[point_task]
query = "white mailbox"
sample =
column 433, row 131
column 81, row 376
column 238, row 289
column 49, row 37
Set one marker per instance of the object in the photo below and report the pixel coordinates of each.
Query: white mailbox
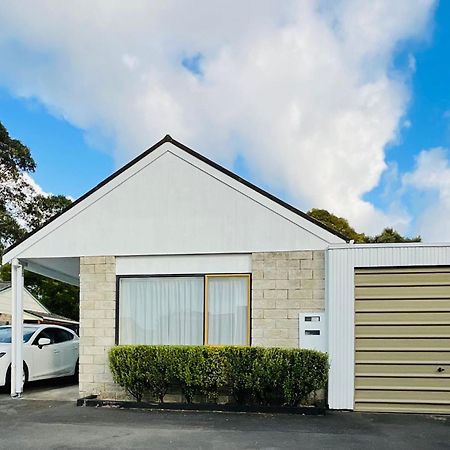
column 312, row 331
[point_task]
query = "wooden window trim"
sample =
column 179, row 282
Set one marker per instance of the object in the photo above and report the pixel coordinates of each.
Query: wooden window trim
column 206, row 310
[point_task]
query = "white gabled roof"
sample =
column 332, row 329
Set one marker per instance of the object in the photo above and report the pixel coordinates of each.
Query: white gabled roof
column 172, row 200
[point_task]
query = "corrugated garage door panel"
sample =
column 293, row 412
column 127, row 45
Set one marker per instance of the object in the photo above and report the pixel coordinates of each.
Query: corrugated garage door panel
column 402, row 339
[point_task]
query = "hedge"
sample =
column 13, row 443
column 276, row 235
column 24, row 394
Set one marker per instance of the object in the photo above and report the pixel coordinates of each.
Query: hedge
column 251, row 375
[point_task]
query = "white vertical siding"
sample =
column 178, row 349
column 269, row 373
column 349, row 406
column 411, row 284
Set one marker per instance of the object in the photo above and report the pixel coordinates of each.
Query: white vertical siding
column 341, row 263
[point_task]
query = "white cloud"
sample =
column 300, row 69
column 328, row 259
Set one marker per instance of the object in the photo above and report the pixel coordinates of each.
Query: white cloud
column 304, row 87
column 34, row 187
column 29, row 188
column 412, row 63
column 431, row 178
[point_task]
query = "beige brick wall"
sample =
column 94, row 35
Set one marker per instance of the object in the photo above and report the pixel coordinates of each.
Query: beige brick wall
column 5, row 319
column 283, row 285
column 97, row 324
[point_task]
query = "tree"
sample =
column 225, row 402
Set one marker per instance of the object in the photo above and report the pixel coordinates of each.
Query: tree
column 389, row 235
column 44, row 208
column 336, row 223
column 22, row 209
column 341, row 225
column 15, row 161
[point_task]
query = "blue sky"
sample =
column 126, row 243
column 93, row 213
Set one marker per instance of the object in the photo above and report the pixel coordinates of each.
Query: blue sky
column 429, row 109
column 66, row 163
column 81, row 121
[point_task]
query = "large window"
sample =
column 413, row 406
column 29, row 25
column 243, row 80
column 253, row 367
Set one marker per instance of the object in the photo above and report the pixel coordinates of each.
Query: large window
column 186, row 310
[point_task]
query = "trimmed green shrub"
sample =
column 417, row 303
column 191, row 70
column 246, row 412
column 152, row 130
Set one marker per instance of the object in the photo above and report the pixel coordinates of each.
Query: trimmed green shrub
column 189, row 365
column 240, row 371
column 213, row 376
column 160, row 371
column 129, row 368
column 270, row 372
column 268, row 376
column 307, row 373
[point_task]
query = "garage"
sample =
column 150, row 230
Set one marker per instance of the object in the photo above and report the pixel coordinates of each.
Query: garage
column 389, row 327
column 402, row 339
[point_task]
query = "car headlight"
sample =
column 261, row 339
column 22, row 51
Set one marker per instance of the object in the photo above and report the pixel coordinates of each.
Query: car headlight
column 2, row 354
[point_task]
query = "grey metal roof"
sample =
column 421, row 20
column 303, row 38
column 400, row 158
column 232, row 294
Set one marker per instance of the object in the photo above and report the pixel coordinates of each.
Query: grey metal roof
column 50, row 316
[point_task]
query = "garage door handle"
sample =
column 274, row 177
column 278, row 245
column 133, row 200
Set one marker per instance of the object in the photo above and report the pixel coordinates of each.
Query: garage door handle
column 57, row 351
column 441, row 369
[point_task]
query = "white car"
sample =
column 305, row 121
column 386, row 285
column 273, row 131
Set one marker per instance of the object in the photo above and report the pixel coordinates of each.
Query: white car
column 49, row 351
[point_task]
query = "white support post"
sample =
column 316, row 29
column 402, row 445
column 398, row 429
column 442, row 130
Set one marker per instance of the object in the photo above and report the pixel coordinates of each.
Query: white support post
column 17, row 329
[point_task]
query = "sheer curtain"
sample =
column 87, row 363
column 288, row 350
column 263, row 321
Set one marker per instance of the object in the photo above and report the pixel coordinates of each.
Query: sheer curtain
column 161, row 310
column 227, row 310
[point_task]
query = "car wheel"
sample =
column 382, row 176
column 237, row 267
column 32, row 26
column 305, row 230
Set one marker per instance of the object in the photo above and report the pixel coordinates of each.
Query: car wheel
column 76, row 372
column 24, row 376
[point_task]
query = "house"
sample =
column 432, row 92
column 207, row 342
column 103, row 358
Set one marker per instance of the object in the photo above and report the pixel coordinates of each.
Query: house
column 33, row 310
column 29, row 302
column 175, row 249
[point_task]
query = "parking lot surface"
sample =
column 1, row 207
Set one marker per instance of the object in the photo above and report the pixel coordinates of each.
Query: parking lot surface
column 43, row 424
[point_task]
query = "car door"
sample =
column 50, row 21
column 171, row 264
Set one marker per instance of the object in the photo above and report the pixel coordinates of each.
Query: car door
column 67, row 347
column 46, row 358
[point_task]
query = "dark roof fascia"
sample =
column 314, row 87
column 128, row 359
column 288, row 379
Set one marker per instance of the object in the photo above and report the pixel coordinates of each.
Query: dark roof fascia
column 50, row 316
column 4, row 286
column 202, row 158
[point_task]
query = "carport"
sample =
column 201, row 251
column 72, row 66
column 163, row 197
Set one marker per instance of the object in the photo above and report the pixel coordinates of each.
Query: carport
column 61, row 269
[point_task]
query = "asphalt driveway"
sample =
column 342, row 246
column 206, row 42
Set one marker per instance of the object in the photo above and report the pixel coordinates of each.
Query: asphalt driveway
column 40, row 424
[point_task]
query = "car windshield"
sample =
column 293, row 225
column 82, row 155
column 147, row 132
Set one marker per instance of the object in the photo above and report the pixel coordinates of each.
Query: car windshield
column 5, row 334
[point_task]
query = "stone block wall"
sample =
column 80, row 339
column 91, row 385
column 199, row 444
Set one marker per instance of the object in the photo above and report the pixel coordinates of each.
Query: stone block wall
column 283, row 285
column 97, row 324
column 5, row 319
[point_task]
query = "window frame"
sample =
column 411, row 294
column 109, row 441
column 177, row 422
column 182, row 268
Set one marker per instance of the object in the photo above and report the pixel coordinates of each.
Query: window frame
column 206, row 298
column 205, row 277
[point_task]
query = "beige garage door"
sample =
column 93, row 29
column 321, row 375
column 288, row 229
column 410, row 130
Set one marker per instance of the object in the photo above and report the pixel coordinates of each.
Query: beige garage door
column 402, row 339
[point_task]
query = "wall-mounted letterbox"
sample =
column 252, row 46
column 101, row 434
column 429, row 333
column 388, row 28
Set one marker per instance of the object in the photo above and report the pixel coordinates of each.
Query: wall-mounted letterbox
column 312, row 331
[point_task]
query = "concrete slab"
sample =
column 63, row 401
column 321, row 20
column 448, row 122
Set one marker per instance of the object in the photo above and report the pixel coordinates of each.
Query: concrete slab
column 58, row 389
column 57, row 393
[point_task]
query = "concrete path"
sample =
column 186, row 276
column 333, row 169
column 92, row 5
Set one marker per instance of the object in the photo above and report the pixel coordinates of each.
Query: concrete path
column 58, row 389
column 34, row 424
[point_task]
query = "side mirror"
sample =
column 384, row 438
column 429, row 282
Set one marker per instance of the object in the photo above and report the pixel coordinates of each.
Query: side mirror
column 43, row 341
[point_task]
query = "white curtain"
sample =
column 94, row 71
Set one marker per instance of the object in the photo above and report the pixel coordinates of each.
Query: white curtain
column 227, row 310
column 161, row 310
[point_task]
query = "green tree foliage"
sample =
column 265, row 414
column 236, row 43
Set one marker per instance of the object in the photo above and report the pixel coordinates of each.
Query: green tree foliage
column 22, row 209
column 15, row 160
column 341, row 225
column 336, row 223
column 45, row 207
column 390, row 235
